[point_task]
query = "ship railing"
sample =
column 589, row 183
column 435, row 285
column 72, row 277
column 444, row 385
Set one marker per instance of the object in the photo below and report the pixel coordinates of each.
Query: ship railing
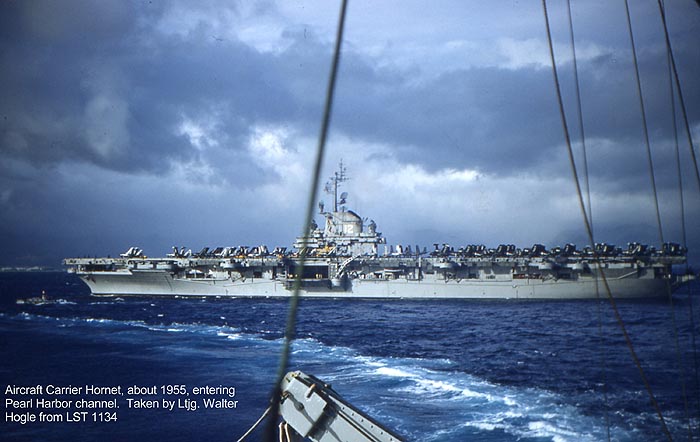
column 343, row 266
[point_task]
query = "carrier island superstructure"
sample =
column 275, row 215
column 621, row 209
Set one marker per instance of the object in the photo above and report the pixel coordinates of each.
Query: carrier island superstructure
column 347, row 257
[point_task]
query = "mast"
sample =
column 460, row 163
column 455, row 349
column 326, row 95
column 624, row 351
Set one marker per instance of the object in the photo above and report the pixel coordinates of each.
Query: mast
column 332, row 186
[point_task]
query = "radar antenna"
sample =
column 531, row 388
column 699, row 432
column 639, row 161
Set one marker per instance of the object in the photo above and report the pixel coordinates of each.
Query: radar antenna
column 332, row 186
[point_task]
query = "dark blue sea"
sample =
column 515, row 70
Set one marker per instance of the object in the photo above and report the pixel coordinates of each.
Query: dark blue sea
column 431, row 371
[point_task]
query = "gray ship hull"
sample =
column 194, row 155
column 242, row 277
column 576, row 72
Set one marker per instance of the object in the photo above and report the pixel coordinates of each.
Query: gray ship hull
column 162, row 283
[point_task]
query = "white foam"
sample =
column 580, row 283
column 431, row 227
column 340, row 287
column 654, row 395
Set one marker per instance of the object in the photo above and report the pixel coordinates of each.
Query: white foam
column 558, row 434
column 437, row 388
column 509, row 401
column 394, row 372
column 486, row 426
column 370, row 362
column 473, row 394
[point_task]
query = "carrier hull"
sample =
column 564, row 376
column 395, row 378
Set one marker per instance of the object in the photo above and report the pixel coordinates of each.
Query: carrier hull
column 161, row 283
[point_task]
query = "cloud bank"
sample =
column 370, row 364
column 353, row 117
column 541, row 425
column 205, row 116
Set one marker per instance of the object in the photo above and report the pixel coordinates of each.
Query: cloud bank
column 195, row 124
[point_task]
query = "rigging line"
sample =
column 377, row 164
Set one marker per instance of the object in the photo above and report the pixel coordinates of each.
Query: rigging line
column 644, row 121
column 579, row 107
column 681, row 366
column 688, row 133
column 683, row 225
column 320, row 150
column 656, row 205
column 682, row 215
column 251, row 429
column 681, row 101
column 613, row 304
column 580, row 113
column 603, row 362
column 656, row 200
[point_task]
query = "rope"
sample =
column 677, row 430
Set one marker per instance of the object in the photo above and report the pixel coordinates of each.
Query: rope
column 251, row 429
column 684, row 113
column 613, row 305
column 644, row 121
column 684, row 238
column 294, row 301
column 284, row 433
column 684, row 232
column 656, row 205
column 580, row 113
column 681, row 101
column 579, row 107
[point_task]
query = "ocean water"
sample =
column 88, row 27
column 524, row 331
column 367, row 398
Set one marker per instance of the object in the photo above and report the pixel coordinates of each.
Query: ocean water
column 430, row 371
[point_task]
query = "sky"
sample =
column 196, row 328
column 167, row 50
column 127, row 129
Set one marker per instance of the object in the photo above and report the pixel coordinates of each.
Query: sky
column 178, row 123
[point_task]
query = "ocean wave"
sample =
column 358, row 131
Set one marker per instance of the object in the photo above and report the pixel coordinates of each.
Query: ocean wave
column 522, row 413
column 42, row 302
column 195, row 327
column 465, row 400
column 430, row 386
column 557, row 433
column 394, row 372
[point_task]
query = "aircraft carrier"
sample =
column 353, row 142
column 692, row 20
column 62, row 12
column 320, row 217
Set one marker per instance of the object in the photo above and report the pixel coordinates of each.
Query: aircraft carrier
column 348, row 258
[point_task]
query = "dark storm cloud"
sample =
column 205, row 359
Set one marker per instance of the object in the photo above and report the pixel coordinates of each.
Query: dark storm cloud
column 104, row 87
column 97, row 83
column 124, row 122
column 46, row 70
column 459, row 114
column 118, row 99
column 498, row 121
column 505, row 121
